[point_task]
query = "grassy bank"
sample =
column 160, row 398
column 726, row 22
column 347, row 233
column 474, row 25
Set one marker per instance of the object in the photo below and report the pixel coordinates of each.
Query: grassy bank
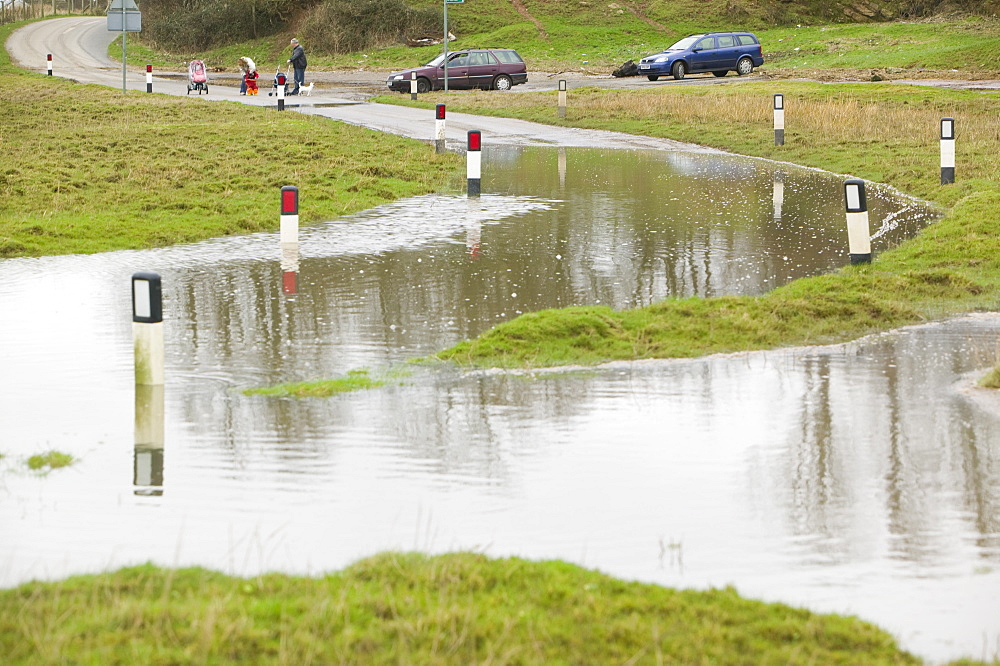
column 88, row 169
column 413, row 609
column 881, row 132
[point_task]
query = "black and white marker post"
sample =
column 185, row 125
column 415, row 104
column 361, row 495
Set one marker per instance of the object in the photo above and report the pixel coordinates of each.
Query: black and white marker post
column 289, row 214
column 562, row 98
column 947, row 151
column 48, row 64
column 147, row 328
column 779, row 119
column 149, row 78
column 858, row 237
column 439, row 142
column 281, row 91
column 474, row 161
column 413, row 85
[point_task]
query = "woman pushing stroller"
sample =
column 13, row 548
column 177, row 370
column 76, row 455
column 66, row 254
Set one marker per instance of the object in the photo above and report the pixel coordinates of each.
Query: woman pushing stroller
column 249, row 70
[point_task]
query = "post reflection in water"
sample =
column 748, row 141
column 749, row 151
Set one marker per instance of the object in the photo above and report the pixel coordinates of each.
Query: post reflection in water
column 290, row 268
column 147, row 477
column 852, row 479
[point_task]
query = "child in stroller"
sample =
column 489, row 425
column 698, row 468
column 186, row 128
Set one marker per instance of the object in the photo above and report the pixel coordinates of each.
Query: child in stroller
column 248, row 69
column 197, row 77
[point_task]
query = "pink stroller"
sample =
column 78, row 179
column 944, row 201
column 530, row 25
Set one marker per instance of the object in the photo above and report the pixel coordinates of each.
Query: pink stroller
column 197, row 77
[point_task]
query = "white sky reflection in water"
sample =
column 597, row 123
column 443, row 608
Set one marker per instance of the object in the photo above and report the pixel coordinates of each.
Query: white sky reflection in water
column 860, row 479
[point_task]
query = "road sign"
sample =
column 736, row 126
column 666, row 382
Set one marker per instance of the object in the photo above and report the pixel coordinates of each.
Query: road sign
column 124, row 16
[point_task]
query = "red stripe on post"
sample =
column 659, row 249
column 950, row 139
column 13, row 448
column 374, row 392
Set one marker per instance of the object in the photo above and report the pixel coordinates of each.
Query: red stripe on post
column 149, row 68
column 49, row 57
column 475, row 140
column 289, row 200
column 440, row 111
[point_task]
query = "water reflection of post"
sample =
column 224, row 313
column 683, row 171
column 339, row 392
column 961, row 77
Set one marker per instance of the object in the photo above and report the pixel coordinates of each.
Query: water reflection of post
column 562, row 168
column 289, row 268
column 473, row 229
column 779, row 193
column 148, row 467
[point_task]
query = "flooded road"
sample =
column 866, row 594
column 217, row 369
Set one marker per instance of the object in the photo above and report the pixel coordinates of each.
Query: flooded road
column 861, row 478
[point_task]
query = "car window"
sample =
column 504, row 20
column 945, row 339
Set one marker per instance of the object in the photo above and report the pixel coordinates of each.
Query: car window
column 480, row 58
column 507, row 56
column 707, row 43
column 459, row 60
column 747, row 40
column 682, row 44
column 727, row 41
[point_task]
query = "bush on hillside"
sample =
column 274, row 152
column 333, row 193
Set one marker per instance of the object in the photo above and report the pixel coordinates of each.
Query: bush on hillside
column 347, row 26
column 194, row 25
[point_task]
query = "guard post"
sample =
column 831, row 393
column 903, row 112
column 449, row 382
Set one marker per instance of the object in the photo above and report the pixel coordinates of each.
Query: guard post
column 281, row 92
column 947, row 151
column 439, row 143
column 858, row 237
column 289, row 214
column 562, row 98
column 473, row 162
column 147, row 328
column 149, row 78
column 779, row 119
column 48, row 63
column 413, row 86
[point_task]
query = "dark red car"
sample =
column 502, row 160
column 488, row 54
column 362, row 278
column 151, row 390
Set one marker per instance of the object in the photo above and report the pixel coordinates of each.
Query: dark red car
column 488, row 69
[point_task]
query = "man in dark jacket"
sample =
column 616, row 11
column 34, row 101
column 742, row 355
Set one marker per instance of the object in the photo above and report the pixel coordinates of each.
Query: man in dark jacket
column 298, row 61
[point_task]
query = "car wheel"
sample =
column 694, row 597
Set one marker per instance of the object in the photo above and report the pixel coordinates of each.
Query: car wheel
column 502, row 82
column 679, row 70
column 744, row 66
column 423, row 86
column 652, row 78
column 722, row 73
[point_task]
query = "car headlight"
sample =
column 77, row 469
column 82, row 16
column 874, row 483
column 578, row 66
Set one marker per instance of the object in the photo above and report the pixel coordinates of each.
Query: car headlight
column 397, row 77
column 661, row 59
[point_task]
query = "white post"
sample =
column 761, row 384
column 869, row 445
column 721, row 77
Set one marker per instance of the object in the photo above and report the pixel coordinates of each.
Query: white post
column 858, row 236
column 48, row 65
column 413, row 85
column 947, row 151
column 562, row 98
column 473, row 162
column 149, row 78
column 281, row 91
column 779, row 119
column 439, row 142
column 289, row 214
column 147, row 328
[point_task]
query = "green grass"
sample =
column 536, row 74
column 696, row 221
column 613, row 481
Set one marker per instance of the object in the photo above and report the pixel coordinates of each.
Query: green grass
column 355, row 380
column 413, row 609
column 88, row 169
column 49, row 461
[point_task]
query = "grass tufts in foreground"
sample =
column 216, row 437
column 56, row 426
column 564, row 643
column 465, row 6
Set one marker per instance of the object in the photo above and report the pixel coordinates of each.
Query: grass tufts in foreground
column 414, row 609
column 355, row 380
column 50, row 460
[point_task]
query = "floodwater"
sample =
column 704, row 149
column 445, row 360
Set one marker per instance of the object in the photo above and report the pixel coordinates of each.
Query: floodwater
column 861, row 478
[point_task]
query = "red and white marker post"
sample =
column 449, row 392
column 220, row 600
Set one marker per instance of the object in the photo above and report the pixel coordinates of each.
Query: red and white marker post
column 49, row 63
column 289, row 214
column 281, row 96
column 473, row 162
column 149, row 78
column 439, row 112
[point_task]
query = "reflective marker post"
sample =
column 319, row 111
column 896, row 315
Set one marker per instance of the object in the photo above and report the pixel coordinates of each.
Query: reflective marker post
column 858, row 237
column 947, row 151
column 562, row 98
column 439, row 142
column 473, row 162
column 289, row 214
column 147, row 328
column 149, row 78
column 48, row 64
column 281, row 92
column 779, row 119
column 413, row 85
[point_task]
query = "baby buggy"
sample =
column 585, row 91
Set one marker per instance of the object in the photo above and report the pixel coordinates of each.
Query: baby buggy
column 274, row 88
column 197, row 77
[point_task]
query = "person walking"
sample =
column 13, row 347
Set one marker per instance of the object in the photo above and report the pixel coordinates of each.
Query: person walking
column 298, row 61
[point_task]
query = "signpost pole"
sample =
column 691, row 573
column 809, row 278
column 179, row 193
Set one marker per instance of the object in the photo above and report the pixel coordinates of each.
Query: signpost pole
column 124, row 33
column 446, row 45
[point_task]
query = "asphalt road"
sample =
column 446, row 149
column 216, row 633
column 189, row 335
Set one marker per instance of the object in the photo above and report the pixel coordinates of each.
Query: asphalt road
column 80, row 44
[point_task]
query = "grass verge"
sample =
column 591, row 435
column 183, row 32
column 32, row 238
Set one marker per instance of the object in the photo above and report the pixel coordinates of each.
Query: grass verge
column 881, row 132
column 413, row 609
column 89, row 169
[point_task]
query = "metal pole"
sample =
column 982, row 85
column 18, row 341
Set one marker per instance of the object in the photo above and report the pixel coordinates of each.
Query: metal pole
column 124, row 32
column 446, row 45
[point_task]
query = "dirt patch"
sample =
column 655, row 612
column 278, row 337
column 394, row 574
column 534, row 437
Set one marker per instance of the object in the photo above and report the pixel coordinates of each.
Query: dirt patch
column 523, row 11
column 641, row 15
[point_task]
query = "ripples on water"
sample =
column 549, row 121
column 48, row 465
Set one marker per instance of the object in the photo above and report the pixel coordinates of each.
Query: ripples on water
column 859, row 479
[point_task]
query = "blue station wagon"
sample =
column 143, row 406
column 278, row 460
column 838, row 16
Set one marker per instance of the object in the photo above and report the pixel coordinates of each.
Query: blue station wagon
column 716, row 52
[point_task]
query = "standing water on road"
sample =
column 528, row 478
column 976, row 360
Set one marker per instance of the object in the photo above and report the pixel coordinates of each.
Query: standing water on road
column 858, row 478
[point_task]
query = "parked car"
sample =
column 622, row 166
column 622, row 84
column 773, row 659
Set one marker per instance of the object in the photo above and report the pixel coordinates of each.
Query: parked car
column 716, row 52
column 489, row 69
